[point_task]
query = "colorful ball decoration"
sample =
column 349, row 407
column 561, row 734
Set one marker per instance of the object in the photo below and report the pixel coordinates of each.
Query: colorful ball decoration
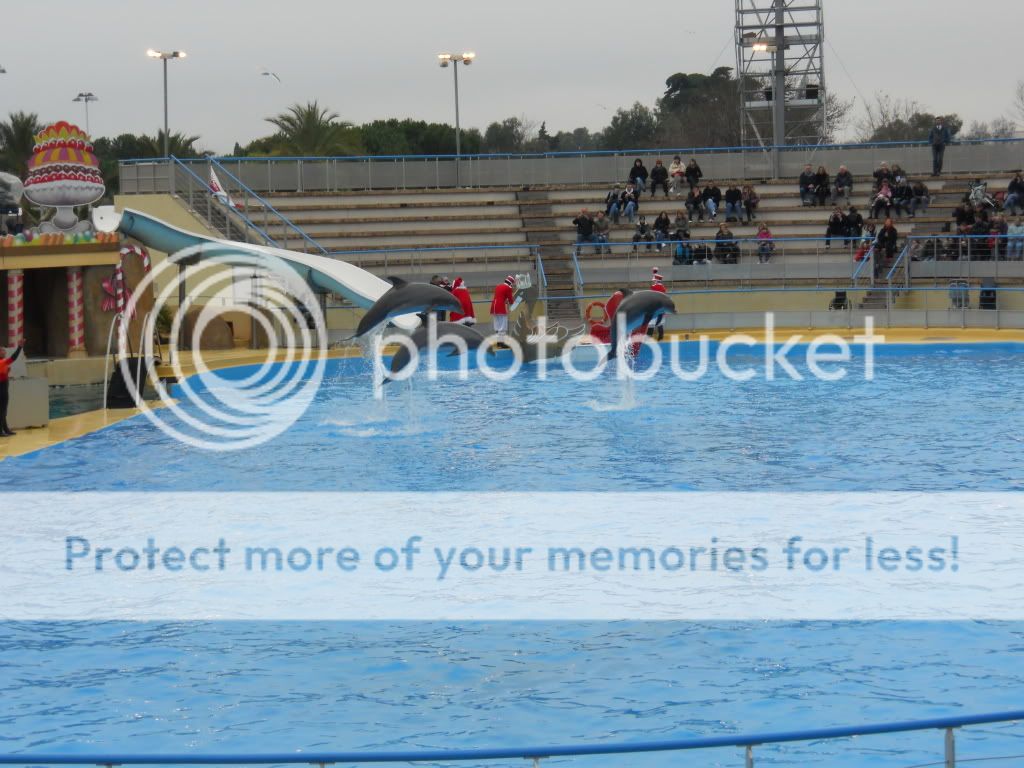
column 63, row 172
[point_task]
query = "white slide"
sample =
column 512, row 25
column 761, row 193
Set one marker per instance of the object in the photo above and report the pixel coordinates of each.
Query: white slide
column 357, row 285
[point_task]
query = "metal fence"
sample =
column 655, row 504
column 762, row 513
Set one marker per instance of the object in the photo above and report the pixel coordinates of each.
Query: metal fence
column 820, row 260
column 515, row 171
column 946, row 726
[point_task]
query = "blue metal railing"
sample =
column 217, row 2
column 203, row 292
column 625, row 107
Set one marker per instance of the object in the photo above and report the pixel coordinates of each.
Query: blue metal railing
column 896, row 264
column 268, row 207
column 268, row 240
column 535, row 753
column 869, row 258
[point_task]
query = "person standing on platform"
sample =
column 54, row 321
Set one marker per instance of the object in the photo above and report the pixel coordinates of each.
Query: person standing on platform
column 938, row 137
column 5, row 390
column 504, row 297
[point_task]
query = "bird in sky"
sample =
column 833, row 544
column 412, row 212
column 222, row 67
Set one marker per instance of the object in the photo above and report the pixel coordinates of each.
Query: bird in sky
column 267, row 73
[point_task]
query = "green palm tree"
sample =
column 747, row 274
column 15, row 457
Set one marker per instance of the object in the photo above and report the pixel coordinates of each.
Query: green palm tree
column 178, row 144
column 310, row 131
column 17, row 139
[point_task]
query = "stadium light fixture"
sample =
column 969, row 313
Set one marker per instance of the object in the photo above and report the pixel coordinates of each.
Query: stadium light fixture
column 164, row 56
column 444, row 59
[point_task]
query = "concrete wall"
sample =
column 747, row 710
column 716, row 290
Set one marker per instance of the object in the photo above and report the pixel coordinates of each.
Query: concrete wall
column 330, row 174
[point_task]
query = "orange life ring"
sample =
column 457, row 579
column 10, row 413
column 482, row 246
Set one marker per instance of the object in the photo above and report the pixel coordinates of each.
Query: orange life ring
column 590, row 308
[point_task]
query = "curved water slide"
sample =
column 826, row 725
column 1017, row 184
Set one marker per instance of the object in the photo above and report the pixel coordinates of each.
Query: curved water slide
column 360, row 287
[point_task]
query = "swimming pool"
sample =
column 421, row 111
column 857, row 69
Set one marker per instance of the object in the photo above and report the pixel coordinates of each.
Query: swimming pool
column 935, row 418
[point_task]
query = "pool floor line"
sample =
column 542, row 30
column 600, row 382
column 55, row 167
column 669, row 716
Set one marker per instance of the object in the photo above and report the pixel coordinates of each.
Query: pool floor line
column 70, row 427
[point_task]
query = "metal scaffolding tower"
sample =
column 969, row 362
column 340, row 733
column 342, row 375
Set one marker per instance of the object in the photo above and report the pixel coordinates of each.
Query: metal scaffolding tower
column 781, row 71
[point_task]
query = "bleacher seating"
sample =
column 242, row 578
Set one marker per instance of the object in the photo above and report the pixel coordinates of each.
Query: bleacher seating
column 382, row 223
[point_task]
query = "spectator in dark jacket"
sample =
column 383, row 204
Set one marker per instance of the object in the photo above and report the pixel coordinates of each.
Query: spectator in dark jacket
column 629, row 205
column 727, row 250
column 903, row 198
column 611, row 201
column 662, row 225
column 854, row 223
column 693, row 174
column 643, row 232
column 807, row 185
column 712, row 198
column 837, row 226
column 964, row 214
column 886, row 242
column 1014, row 195
column 602, row 230
column 844, row 185
column 822, row 185
column 695, row 205
column 938, row 137
column 584, row 228
column 659, row 178
column 638, row 176
column 921, row 198
column 750, row 201
column 733, row 203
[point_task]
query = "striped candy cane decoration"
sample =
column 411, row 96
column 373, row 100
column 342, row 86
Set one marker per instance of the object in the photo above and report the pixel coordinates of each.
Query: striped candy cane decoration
column 76, row 310
column 15, row 307
column 121, row 292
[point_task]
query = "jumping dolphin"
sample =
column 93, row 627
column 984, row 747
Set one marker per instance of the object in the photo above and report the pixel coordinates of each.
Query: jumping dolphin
column 403, row 299
column 640, row 308
column 420, row 338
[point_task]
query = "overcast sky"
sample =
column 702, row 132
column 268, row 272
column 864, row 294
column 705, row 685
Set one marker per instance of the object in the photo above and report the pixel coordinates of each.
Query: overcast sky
column 568, row 62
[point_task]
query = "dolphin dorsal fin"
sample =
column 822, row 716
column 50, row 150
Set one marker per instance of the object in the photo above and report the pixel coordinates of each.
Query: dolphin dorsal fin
column 396, row 282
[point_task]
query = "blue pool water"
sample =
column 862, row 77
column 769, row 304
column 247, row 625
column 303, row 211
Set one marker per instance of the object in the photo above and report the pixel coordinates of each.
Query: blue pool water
column 935, row 418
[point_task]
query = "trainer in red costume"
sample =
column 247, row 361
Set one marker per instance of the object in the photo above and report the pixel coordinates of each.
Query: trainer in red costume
column 467, row 316
column 504, row 297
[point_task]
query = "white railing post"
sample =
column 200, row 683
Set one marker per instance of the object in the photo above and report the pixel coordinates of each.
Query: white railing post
column 749, row 758
column 950, row 749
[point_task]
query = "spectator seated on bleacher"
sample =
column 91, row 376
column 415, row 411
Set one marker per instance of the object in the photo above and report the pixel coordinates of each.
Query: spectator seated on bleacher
column 881, row 175
column 822, row 185
column 898, row 174
column 628, row 205
column 712, row 198
column 584, row 228
column 727, row 250
column 921, row 198
column 638, row 176
column 644, row 233
column 750, row 201
column 838, row 226
column 765, row 244
column 677, row 175
column 843, row 185
column 681, row 236
column 854, row 223
column 979, row 247
column 695, row 205
column 1015, row 245
column 882, row 201
column 964, row 214
column 659, row 178
column 886, row 243
column 903, row 198
column 807, row 185
column 693, row 174
column 662, row 226
column 733, row 203
column 1014, row 195
column 611, row 200
column 602, row 230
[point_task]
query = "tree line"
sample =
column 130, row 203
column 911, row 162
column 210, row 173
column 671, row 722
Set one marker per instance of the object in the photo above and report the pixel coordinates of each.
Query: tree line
column 694, row 110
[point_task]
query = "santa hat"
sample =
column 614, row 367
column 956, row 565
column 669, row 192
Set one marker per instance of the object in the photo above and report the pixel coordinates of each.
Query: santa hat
column 459, row 283
column 656, row 276
column 510, row 281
